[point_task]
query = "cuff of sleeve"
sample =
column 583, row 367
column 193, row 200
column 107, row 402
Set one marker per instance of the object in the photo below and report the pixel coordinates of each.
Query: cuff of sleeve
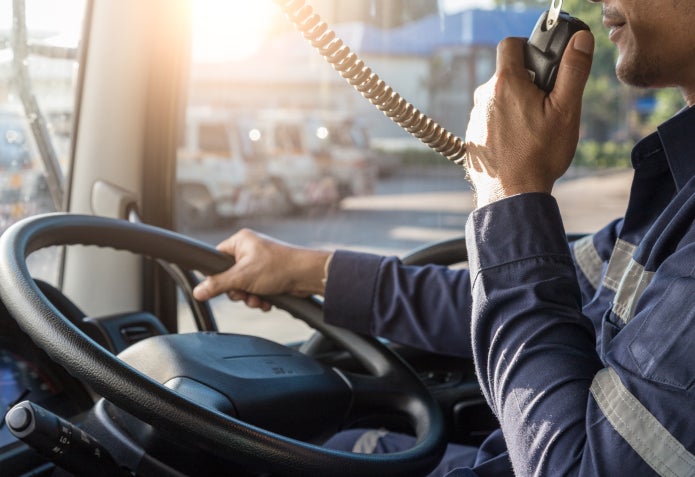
column 515, row 228
column 350, row 286
column 326, row 267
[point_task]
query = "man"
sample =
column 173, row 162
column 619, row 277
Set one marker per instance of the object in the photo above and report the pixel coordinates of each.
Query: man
column 584, row 353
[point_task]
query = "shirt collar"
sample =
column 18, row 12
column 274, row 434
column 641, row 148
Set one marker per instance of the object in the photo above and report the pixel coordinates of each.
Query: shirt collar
column 677, row 137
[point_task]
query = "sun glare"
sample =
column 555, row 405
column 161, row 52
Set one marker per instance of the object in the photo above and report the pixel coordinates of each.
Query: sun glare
column 62, row 21
column 225, row 30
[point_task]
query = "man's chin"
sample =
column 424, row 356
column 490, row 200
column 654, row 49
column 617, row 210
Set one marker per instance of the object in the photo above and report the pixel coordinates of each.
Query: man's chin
column 632, row 74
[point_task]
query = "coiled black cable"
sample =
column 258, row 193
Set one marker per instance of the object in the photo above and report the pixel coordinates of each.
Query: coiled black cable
column 368, row 83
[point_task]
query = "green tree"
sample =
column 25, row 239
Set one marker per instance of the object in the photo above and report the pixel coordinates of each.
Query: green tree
column 668, row 102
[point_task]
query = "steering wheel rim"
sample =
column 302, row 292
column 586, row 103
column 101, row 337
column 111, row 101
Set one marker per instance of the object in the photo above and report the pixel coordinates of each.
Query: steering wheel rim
column 159, row 406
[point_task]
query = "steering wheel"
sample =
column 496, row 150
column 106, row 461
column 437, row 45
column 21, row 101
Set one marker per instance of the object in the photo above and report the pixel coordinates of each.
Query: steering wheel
column 392, row 384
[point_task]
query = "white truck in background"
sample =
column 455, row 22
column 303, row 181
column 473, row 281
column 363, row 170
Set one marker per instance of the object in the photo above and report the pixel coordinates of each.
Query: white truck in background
column 230, row 166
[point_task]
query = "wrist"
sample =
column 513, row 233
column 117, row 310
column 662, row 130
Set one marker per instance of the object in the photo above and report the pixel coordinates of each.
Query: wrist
column 312, row 266
column 493, row 191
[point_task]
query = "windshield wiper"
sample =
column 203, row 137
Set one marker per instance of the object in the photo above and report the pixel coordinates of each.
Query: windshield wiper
column 21, row 49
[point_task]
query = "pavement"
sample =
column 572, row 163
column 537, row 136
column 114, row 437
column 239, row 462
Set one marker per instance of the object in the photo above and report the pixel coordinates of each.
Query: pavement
column 590, row 202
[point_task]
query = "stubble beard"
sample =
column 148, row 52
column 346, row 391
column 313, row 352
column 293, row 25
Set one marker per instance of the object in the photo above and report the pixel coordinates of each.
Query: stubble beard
column 638, row 70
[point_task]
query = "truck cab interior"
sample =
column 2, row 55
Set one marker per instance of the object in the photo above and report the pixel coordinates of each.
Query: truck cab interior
column 103, row 236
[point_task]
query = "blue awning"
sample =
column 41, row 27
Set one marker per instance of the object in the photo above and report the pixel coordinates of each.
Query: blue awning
column 467, row 28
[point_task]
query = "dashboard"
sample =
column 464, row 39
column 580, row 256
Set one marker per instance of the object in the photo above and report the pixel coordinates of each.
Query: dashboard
column 26, row 372
column 21, row 378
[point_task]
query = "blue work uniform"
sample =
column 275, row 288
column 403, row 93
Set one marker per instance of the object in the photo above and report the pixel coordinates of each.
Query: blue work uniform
column 585, row 352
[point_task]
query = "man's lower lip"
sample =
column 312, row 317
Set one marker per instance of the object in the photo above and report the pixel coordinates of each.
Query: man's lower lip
column 615, row 33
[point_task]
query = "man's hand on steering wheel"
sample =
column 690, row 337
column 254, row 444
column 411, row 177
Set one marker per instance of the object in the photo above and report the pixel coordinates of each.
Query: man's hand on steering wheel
column 293, row 270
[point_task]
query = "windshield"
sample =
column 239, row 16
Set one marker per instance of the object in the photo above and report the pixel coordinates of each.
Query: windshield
column 276, row 140
column 319, row 165
column 39, row 51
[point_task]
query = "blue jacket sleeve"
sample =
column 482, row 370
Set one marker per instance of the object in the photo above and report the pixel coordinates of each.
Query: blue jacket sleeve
column 534, row 350
column 427, row 307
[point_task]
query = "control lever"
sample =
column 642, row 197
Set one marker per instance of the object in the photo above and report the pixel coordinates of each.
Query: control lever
column 68, row 446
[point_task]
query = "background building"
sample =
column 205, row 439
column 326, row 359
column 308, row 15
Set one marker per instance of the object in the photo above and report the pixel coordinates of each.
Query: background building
column 391, row 13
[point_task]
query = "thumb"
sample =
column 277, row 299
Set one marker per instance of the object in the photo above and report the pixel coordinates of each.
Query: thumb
column 214, row 285
column 203, row 291
column 574, row 70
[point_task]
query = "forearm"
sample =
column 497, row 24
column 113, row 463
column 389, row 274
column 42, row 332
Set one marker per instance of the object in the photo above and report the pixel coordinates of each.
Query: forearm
column 534, row 350
column 425, row 307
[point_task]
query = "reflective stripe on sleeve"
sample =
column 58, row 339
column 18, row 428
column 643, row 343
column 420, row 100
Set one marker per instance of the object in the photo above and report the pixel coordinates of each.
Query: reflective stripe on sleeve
column 627, row 278
column 631, row 287
column 367, row 442
column 620, row 260
column 640, row 429
column 588, row 260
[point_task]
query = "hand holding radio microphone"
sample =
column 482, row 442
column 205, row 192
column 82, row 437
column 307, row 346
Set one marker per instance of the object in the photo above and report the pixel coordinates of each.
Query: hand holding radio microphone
column 521, row 139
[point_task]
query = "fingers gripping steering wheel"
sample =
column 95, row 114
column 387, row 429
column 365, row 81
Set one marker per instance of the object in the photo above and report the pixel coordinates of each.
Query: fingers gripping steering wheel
column 393, row 385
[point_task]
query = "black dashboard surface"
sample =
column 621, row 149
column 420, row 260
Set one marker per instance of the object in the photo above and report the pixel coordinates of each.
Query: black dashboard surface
column 26, row 372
